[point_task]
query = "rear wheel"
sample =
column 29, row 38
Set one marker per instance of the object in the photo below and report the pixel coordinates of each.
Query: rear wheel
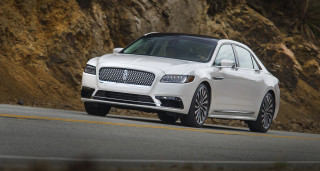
column 97, row 109
column 199, row 108
column 168, row 117
column 265, row 117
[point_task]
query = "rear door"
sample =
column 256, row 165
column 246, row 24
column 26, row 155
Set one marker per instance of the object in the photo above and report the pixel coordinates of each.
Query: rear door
column 251, row 84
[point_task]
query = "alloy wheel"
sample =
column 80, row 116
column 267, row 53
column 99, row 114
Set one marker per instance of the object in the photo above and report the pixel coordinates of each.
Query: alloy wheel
column 267, row 110
column 201, row 105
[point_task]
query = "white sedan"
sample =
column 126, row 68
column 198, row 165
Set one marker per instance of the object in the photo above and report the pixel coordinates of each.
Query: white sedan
column 183, row 76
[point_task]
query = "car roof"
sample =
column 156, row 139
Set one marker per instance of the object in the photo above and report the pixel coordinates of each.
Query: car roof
column 155, row 34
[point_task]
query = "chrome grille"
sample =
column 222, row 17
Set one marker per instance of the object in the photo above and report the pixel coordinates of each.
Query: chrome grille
column 127, row 76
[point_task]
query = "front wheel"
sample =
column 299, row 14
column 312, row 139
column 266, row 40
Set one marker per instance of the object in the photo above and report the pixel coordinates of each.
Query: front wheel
column 265, row 117
column 199, row 108
column 168, row 117
column 97, row 109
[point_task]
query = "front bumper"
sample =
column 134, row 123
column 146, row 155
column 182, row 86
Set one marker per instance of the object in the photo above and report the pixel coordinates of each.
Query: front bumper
column 170, row 97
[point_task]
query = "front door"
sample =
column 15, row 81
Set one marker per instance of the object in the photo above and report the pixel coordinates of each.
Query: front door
column 234, row 88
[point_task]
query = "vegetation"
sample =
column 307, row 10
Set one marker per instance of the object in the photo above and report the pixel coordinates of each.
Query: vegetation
column 292, row 16
column 305, row 18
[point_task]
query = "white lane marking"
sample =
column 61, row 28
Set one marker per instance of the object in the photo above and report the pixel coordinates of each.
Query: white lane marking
column 152, row 161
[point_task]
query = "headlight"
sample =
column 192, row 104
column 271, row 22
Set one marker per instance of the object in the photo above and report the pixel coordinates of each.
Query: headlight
column 90, row 69
column 177, row 79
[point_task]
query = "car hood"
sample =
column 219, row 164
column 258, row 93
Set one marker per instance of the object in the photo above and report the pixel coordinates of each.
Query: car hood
column 166, row 65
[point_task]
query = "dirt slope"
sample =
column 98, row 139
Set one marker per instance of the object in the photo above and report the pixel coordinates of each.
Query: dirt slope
column 44, row 45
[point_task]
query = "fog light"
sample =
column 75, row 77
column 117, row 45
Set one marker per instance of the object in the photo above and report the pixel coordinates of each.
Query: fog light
column 168, row 101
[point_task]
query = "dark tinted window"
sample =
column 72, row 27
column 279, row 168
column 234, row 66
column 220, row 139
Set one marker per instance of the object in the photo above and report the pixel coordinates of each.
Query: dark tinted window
column 225, row 52
column 177, row 47
column 244, row 58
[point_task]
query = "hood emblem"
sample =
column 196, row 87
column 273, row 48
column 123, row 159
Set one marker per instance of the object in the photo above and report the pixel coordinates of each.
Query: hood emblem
column 125, row 75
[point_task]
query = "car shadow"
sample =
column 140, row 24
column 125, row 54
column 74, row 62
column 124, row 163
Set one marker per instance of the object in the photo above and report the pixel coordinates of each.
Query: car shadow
column 156, row 121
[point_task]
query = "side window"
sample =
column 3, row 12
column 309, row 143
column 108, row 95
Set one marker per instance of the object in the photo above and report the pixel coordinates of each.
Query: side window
column 225, row 52
column 255, row 64
column 244, row 56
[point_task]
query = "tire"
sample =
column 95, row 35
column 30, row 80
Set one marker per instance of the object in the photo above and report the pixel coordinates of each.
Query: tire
column 97, row 109
column 265, row 117
column 199, row 108
column 168, row 117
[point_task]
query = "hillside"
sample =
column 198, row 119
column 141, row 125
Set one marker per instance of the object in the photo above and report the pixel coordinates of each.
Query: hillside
column 44, row 45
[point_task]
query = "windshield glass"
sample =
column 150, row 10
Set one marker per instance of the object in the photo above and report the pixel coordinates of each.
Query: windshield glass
column 177, row 47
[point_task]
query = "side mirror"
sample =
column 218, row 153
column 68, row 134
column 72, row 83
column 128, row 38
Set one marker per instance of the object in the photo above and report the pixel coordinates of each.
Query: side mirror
column 117, row 50
column 227, row 63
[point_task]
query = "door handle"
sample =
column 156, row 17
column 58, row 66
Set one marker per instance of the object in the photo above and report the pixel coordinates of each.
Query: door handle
column 217, row 78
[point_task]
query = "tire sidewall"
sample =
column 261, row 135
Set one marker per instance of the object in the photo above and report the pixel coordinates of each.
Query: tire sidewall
column 192, row 106
column 257, row 126
column 166, row 118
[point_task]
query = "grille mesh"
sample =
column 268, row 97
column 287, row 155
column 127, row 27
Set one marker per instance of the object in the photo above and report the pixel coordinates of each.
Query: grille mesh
column 127, row 76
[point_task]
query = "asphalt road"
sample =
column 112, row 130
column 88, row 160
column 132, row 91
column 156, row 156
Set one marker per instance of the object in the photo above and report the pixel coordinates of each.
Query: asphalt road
column 30, row 134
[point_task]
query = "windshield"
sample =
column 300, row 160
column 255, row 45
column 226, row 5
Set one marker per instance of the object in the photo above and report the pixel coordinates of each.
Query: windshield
column 176, row 46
